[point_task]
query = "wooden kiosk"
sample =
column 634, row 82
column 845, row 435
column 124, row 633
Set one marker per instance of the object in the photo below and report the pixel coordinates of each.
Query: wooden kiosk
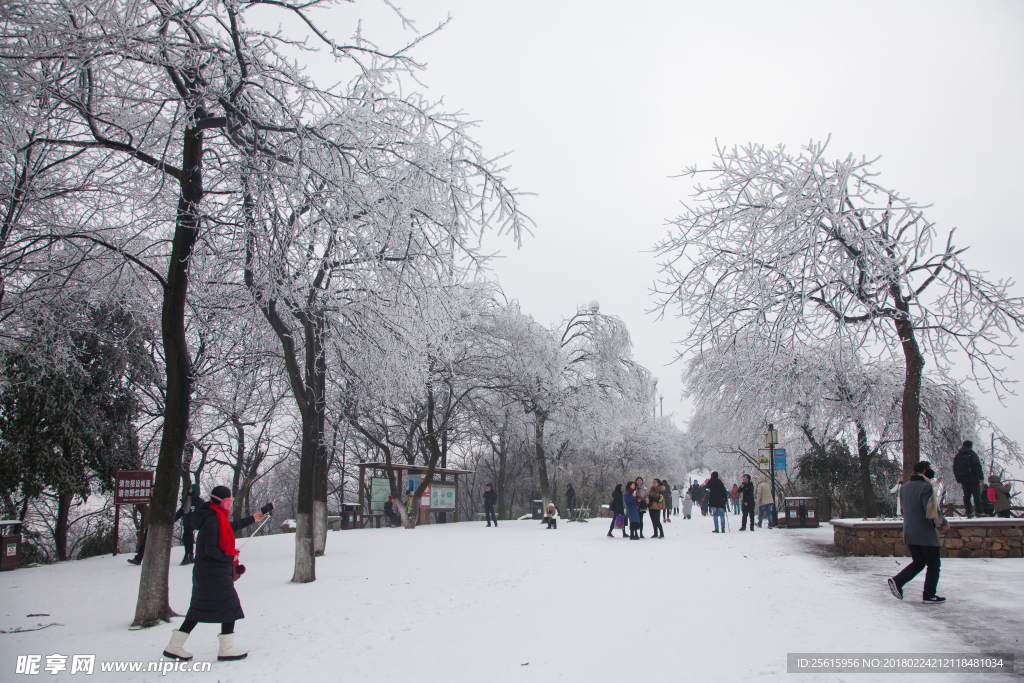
column 439, row 498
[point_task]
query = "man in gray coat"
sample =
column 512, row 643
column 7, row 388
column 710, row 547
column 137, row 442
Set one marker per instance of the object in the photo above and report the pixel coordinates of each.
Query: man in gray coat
column 920, row 514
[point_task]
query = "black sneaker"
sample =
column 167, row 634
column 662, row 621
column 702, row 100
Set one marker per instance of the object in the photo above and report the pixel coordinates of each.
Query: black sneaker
column 934, row 599
column 715, row 531
column 896, row 590
column 136, row 561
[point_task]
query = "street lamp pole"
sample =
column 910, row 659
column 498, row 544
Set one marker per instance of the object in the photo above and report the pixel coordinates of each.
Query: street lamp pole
column 771, row 439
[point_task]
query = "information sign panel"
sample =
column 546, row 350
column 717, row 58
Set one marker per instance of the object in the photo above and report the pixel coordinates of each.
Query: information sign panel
column 442, row 497
column 133, row 487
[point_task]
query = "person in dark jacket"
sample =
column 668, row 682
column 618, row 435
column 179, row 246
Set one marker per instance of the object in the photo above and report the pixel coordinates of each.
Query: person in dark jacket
column 632, row 511
column 922, row 519
column 490, row 499
column 746, row 494
column 570, row 501
column 656, row 503
column 140, row 535
column 184, row 513
column 667, row 492
column 968, row 473
column 618, row 507
column 718, row 498
column 641, row 501
column 214, row 599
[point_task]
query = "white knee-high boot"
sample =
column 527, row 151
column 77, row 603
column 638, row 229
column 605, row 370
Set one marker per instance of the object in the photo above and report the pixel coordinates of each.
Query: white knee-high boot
column 228, row 651
column 174, row 649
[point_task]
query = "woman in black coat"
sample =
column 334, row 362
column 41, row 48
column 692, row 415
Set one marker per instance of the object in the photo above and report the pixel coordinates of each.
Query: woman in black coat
column 214, row 599
column 618, row 508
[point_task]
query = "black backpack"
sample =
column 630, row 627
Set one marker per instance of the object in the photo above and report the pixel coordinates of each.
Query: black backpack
column 962, row 466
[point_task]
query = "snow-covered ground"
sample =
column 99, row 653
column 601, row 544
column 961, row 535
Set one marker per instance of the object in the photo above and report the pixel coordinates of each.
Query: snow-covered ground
column 462, row 602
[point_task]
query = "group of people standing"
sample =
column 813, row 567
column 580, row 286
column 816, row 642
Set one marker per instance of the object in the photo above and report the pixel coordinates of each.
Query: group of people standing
column 632, row 502
column 745, row 497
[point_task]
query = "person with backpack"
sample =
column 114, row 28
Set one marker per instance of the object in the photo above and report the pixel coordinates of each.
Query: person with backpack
column 922, row 520
column 968, row 473
column 655, row 504
column 717, row 500
column 999, row 496
column 490, row 499
column 618, row 509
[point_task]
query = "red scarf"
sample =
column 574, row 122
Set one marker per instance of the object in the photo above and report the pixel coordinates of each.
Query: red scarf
column 227, row 534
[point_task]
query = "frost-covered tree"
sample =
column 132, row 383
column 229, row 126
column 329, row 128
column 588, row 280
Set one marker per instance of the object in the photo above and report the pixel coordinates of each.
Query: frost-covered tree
column 796, row 248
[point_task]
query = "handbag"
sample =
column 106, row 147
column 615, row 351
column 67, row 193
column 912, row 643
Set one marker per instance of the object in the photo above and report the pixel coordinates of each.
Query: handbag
column 237, row 570
column 620, row 521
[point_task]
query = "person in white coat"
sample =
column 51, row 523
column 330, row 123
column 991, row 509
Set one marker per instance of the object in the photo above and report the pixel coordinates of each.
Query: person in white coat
column 687, row 505
column 764, row 501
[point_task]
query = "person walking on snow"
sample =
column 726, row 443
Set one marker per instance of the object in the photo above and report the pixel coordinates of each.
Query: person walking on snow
column 922, row 521
column 746, row 491
column 656, row 504
column 667, row 492
column 717, row 500
column 617, row 508
column 677, row 499
column 490, row 498
column 214, row 599
column 687, row 506
column 632, row 510
column 763, row 501
column 968, row 473
column 1001, row 494
column 184, row 513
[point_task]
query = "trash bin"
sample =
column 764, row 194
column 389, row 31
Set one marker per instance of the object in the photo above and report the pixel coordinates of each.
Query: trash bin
column 538, row 509
column 10, row 544
column 801, row 512
column 351, row 517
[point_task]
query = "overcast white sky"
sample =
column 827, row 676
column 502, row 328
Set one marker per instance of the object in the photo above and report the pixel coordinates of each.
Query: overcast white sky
column 600, row 103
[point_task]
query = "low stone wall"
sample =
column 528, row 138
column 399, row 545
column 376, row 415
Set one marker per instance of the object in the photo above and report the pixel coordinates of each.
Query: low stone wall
column 965, row 538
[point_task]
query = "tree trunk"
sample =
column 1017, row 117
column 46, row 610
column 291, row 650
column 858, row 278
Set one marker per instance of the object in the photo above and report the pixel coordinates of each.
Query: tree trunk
column 870, row 510
column 501, row 482
column 914, row 362
column 542, row 469
column 153, row 604
column 60, row 529
column 320, row 504
column 305, row 555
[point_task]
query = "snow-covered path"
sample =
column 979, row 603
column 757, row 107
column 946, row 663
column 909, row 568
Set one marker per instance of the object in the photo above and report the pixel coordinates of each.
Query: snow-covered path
column 462, row 602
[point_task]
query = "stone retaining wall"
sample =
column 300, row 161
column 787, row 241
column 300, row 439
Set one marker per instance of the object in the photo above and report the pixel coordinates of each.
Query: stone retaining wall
column 965, row 538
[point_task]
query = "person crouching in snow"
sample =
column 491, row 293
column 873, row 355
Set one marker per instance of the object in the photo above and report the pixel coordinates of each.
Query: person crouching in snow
column 551, row 517
column 214, row 600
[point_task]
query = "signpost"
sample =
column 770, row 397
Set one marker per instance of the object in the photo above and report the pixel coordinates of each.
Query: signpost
column 771, row 440
column 131, row 487
column 780, row 459
column 764, row 457
column 380, row 491
column 442, row 497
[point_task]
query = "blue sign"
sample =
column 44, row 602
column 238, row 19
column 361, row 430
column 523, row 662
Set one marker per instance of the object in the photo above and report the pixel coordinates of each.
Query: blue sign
column 780, row 461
